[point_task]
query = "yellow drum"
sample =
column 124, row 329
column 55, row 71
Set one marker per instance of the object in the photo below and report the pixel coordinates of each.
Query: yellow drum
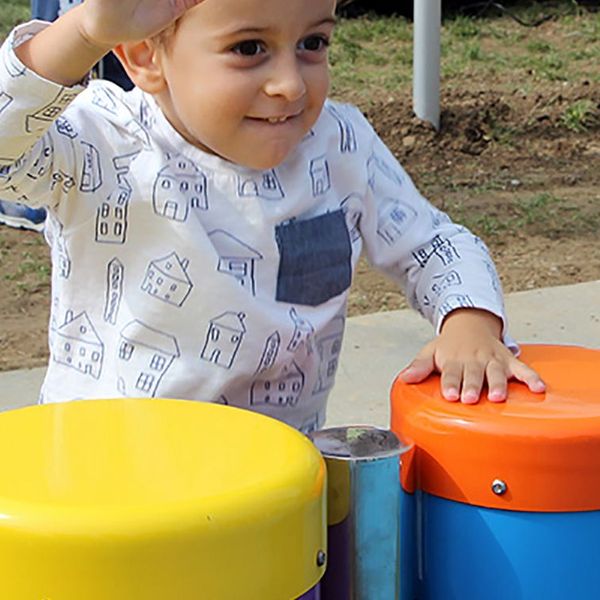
column 157, row 499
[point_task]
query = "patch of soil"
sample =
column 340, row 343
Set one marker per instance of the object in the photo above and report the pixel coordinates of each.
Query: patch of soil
column 504, row 163
column 24, row 299
column 507, row 166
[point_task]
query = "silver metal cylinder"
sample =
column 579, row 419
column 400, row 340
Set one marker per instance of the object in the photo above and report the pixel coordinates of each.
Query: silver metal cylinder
column 426, row 60
column 363, row 496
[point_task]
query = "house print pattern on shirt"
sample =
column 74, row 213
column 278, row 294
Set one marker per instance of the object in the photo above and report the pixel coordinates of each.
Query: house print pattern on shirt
column 236, row 258
column 223, row 339
column 180, row 274
column 439, row 248
column 166, row 279
column 105, row 99
column 91, row 173
column 115, row 275
column 348, row 140
column 179, row 188
column 329, row 347
column 264, row 185
column 319, row 175
column 303, row 333
column 61, row 257
column 112, row 216
column 269, row 353
column 43, row 161
column 285, row 390
column 144, row 356
column 5, row 100
column 64, row 127
column 76, row 344
column 40, row 120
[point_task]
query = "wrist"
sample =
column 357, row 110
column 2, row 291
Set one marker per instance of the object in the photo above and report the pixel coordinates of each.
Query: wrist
column 61, row 52
column 91, row 38
column 473, row 317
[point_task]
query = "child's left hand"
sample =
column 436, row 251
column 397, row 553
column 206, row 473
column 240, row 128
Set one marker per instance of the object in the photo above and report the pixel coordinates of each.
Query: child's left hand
column 467, row 352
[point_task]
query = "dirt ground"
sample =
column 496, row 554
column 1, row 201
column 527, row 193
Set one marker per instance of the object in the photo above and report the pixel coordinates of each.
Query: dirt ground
column 504, row 163
column 534, row 197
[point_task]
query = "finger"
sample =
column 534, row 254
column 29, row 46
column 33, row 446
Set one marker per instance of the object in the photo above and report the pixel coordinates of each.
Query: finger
column 181, row 6
column 497, row 381
column 520, row 371
column 472, row 383
column 450, row 381
column 419, row 369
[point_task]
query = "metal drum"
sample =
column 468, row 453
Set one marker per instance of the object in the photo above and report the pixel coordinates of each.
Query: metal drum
column 502, row 501
column 157, row 499
column 363, row 465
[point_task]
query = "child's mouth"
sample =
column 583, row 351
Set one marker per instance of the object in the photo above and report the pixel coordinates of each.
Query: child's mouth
column 275, row 120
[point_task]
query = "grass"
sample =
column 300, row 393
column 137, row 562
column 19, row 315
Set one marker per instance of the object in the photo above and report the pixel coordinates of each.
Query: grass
column 579, row 115
column 540, row 213
column 371, row 52
column 12, row 12
column 30, row 271
column 374, row 53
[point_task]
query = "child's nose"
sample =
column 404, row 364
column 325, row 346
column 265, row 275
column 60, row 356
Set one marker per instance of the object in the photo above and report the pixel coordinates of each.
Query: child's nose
column 286, row 79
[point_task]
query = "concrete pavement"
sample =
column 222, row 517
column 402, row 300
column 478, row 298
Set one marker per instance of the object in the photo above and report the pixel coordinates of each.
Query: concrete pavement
column 377, row 346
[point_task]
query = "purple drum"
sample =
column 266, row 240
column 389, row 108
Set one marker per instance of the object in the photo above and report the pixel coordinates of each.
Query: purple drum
column 313, row 594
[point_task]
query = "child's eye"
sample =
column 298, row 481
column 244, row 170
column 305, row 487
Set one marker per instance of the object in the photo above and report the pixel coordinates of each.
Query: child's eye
column 248, row 48
column 314, row 43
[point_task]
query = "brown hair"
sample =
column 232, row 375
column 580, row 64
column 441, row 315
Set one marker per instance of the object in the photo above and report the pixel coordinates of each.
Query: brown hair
column 163, row 37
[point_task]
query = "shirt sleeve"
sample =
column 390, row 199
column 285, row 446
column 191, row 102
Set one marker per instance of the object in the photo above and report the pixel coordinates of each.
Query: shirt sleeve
column 36, row 149
column 440, row 265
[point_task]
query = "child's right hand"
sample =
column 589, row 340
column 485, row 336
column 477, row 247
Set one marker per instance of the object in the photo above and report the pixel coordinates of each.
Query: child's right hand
column 65, row 51
column 106, row 23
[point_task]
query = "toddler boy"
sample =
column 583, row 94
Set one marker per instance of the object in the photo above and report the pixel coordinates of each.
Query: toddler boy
column 205, row 226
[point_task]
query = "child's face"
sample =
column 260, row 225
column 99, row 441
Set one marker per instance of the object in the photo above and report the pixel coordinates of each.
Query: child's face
column 246, row 79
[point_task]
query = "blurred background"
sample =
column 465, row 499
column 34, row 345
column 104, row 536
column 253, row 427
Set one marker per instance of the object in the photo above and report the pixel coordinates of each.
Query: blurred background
column 350, row 8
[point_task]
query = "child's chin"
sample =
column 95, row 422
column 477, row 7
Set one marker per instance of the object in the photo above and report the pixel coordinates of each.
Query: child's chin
column 264, row 163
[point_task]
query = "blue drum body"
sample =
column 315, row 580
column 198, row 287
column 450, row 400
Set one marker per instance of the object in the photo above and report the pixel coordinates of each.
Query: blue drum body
column 501, row 500
column 467, row 552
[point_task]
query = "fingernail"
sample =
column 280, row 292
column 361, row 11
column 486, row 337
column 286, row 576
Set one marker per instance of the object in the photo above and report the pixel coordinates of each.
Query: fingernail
column 470, row 397
column 451, row 394
column 405, row 372
column 495, row 396
column 538, row 386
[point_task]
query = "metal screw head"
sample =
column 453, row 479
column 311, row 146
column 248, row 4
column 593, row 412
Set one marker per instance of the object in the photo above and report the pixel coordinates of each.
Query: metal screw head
column 499, row 487
column 321, row 558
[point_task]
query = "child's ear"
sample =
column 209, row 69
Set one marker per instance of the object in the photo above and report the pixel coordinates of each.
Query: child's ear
column 140, row 61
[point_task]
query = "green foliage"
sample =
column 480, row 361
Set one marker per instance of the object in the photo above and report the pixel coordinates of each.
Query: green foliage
column 373, row 54
column 462, row 27
column 12, row 12
column 579, row 115
column 536, row 214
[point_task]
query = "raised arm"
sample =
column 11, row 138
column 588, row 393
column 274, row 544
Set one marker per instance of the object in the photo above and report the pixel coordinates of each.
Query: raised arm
column 65, row 51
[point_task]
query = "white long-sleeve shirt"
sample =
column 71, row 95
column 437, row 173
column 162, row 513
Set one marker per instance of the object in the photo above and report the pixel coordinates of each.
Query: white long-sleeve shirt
column 179, row 274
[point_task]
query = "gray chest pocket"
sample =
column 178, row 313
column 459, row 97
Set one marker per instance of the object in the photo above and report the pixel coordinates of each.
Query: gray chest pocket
column 315, row 259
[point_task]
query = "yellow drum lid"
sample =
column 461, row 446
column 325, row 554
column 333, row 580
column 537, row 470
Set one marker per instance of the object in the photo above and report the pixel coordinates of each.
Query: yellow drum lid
column 126, row 499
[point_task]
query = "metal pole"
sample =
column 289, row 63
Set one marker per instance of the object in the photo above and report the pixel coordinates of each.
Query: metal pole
column 426, row 60
column 363, row 496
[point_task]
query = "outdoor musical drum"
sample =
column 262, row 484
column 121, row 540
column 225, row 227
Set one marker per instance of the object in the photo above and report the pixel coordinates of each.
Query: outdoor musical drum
column 155, row 499
column 502, row 500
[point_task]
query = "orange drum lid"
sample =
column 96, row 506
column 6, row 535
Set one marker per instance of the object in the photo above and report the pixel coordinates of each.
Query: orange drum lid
column 534, row 452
